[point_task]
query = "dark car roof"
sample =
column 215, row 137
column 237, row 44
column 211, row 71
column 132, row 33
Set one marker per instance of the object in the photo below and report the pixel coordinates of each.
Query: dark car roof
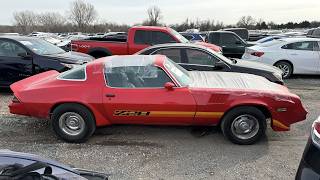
column 13, row 154
column 19, row 38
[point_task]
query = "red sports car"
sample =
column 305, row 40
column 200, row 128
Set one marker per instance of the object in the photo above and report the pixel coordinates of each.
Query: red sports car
column 154, row 90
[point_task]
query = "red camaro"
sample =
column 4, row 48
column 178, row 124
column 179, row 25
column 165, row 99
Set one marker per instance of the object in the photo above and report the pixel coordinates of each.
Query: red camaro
column 154, row 90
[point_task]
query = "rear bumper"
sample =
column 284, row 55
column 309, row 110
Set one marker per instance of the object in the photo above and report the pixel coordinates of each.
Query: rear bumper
column 18, row 108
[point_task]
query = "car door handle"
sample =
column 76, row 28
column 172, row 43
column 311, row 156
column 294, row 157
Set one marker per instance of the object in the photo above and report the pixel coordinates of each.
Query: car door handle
column 294, row 54
column 110, row 95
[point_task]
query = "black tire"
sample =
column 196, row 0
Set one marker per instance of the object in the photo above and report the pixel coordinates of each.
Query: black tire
column 286, row 67
column 234, row 114
column 99, row 54
column 87, row 128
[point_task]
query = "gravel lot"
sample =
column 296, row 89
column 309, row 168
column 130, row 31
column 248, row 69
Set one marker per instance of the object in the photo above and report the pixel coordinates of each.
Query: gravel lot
column 149, row 152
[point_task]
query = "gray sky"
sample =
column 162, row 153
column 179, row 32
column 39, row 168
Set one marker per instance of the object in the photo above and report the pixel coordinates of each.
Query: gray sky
column 176, row 11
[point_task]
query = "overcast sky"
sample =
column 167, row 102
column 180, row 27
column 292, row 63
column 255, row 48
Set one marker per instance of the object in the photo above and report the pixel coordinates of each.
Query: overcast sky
column 176, row 11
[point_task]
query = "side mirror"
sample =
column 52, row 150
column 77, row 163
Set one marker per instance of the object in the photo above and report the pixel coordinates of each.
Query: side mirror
column 24, row 55
column 169, row 86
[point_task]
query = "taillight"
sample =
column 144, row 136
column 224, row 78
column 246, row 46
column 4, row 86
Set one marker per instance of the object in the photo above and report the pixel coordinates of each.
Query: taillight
column 258, row 54
column 315, row 133
column 74, row 47
column 15, row 100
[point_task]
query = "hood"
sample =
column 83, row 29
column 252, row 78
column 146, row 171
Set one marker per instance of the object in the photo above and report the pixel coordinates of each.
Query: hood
column 208, row 45
column 257, row 65
column 71, row 57
column 228, row 80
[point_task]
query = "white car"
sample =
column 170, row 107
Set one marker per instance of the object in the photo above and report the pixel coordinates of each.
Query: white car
column 291, row 55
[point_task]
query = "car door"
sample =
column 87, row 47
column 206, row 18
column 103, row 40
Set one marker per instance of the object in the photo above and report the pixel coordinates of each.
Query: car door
column 13, row 67
column 141, row 40
column 304, row 56
column 201, row 61
column 136, row 95
column 232, row 45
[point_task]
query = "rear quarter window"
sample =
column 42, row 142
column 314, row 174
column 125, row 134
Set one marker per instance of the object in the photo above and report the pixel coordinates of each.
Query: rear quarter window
column 76, row 74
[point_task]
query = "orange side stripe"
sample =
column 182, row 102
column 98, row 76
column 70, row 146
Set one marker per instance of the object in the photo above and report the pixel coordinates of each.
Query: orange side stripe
column 171, row 114
column 279, row 124
column 209, row 114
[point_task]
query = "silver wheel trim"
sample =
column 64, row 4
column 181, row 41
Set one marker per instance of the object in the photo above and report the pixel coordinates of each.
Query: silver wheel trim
column 285, row 69
column 71, row 123
column 245, row 126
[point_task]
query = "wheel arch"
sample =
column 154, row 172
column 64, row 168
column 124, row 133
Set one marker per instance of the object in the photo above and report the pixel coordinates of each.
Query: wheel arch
column 285, row 60
column 262, row 107
column 70, row 102
column 102, row 50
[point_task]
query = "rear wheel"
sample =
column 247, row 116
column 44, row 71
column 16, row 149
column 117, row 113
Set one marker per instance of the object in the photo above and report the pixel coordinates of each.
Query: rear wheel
column 73, row 122
column 286, row 68
column 244, row 125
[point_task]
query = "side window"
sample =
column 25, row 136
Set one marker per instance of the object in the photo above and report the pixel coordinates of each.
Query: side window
column 215, row 38
column 173, row 54
column 10, row 49
column 200, row 57
column 78, row 73
column 306, row 46
column 142, row 37
column 228, row 39
column 136, row 77
column 161, row 38
column 317, row 46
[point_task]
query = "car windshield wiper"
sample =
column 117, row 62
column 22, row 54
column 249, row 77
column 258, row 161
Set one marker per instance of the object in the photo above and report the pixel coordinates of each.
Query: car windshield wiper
column 17, row 172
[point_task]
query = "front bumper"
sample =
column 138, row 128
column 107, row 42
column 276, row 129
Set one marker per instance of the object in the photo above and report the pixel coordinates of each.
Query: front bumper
column 18, row 108
column 309, row 168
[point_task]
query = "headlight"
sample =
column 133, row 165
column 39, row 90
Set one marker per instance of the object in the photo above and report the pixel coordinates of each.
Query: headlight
column 315, row 132
column 70, row 66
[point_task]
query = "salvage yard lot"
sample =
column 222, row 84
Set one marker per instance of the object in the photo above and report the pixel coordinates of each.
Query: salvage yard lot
column 150, row 152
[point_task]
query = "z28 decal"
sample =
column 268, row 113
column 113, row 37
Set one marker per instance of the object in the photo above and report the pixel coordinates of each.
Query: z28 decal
column 130, row 113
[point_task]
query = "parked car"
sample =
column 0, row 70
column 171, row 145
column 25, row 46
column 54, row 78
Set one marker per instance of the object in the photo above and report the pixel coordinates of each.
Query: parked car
column 24, row 166
column 291, row 55
column 156, row 91
column 21, row 57
column 268, row 38
column 199, row 58
column 309, row 168
column 194, row 37
column 232, row 45
column 139, row 37
column 314, row 33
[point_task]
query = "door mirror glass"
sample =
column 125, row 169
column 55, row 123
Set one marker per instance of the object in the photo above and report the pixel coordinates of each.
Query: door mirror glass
column 169, row 86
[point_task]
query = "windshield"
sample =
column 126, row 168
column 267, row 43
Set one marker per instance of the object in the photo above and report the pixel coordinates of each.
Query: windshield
column 180, row 74
column 271, row 43
column 179, row 36
column 42, row 47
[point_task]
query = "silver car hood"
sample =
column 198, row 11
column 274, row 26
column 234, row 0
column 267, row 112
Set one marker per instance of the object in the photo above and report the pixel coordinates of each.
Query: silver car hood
column 228, row 80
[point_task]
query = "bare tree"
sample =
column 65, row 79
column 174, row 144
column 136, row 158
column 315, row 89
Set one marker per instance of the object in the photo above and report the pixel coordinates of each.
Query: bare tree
column 82, row 14
column 246, row 22
column 154, row 16
column 51, row 21
column 25, row 21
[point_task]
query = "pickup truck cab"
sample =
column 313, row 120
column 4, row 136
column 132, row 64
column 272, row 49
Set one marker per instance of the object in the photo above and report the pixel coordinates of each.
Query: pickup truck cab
column 232, row 45
column 139, row 37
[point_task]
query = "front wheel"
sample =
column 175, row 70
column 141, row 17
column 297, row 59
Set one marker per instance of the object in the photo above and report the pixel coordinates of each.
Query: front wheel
column 244, row 125
column 73, row 122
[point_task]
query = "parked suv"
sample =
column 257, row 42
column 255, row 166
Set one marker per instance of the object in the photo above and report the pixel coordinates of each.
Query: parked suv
column 232, row 45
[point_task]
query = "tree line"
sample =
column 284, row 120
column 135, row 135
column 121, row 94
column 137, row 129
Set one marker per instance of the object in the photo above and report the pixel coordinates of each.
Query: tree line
column 82, row 17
